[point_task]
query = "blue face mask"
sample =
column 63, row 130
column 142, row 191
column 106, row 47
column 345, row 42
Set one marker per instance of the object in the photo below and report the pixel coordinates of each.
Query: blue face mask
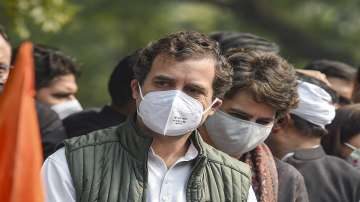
column 354, row 157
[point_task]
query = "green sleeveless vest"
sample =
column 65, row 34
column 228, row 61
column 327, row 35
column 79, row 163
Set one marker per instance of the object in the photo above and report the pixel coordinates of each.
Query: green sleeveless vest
column 111, row 165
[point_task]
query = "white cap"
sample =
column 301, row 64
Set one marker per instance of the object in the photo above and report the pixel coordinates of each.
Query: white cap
column 315, row 104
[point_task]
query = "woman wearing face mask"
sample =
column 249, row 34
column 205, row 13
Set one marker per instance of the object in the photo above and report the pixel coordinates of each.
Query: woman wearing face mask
column 343, row 139
column 264, row 88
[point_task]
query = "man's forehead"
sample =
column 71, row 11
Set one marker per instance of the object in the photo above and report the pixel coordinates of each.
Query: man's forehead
column 64, row 83
column 172, row 65
column 171, row 78
column 244, row 102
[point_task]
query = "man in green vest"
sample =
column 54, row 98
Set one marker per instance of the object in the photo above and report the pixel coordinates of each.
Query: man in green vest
column 157, row 155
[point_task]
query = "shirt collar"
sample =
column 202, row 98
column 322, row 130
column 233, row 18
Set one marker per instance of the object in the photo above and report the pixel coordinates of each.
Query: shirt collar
column 288, row 155
column 313, row 153
column 190, row 154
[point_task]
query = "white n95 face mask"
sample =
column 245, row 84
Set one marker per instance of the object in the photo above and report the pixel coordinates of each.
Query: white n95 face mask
column 171, row 113
column 235, row 136
column 67, row 108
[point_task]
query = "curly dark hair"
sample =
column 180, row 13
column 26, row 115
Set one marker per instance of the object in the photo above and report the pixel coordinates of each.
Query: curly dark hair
column 268, row 77
column 51, row 63
column 182, row 46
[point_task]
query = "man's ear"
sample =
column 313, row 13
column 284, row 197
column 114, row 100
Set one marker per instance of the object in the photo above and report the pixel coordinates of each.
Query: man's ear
column 216, row 106
column 281, row 124
column 135, row 89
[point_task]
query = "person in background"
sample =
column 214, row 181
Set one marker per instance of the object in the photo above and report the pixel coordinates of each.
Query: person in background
column 55, row 80
column 356, row 92
column 5, row 58
column 51, row 128
column 122, row 104
column 263, row 90
column 239, row 40
column 340, row 75
column 157, row 154
column 284, row 174
column 296, row 139
column 343, row 139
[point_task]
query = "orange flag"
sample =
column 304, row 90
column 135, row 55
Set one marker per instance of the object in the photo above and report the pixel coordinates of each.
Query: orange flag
column 20, row 145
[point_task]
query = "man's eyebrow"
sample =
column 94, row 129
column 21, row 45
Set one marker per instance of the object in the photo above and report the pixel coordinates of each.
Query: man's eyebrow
column 197, row 87
column 267, row 119
column 164, row 78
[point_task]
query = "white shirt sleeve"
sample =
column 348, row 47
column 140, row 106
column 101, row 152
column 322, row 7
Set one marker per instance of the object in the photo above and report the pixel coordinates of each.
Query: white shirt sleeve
column 251, row 196
column 57, row 179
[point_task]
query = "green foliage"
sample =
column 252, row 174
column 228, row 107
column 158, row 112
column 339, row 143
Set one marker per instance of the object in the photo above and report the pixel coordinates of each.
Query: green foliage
column 48, row 15
column 100, row 32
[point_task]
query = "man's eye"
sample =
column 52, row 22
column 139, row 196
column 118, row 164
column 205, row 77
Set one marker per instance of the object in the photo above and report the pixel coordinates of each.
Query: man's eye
column 61, row 96
column 240, row 116
column 193, row 92
column 162, row 83
column 262, row 122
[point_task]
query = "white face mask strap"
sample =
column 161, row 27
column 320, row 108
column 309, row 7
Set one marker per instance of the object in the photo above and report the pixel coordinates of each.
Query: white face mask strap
column 350, row 146
column 212, row 104
column 141, row 94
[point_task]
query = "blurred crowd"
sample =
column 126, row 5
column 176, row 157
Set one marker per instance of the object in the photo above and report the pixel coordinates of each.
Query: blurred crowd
column 195, row 117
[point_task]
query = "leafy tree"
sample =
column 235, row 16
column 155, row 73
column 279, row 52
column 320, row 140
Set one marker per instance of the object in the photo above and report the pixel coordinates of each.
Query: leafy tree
column 100, row 32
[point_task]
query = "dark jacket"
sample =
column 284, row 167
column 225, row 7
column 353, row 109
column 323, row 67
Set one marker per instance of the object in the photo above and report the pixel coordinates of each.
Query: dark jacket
column 327, row 178
column 111, row 165
column 291, row 183
column 51, row 128
column 87, row 121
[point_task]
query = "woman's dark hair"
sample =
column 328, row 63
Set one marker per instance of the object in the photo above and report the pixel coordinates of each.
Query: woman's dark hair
column 268, row 77
column 344, row 127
